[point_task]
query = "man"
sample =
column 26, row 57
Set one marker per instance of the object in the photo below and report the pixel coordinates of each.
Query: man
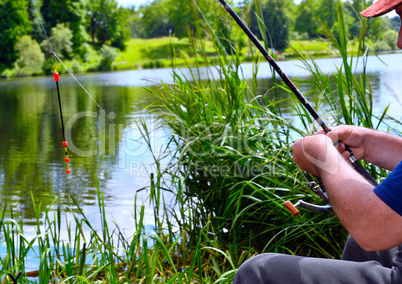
column 372, row 215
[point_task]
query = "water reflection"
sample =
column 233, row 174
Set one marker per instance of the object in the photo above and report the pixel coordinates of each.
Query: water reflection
column 31, row 152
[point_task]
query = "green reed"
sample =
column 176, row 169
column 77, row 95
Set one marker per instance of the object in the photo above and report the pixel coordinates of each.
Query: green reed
column 232, row 160
column 105, row 255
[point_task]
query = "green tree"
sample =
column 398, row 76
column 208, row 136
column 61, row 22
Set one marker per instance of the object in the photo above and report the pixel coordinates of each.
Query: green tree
column 374, row 31
column 184, row 14
column 30, row 57
column 77, row 25
column 328, row 13
column 69, row 12
column 390, row 37
column 275, row 20
column 382, row 46
column 357, row 5
column 122, row 32
column 137, row 30
column 108, row 55
column 14, row 23
column 306, row 21
column 37, row 31
column 386, row 24
column 181, row 14
column 396, row 23
column 61, row 40
column 108, row 24
column 155, row 19
column 291, row 12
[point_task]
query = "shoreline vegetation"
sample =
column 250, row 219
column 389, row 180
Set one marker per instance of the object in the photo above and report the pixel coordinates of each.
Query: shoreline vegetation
column 154, row 53
column 230, row 169
column 93, row 35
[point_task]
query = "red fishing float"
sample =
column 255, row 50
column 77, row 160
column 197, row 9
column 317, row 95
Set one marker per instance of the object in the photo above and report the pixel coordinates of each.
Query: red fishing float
column 56, row 79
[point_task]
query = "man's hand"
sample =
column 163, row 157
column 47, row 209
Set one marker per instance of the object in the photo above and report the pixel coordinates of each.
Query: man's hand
column 353, row 136
column 315, row 153
column 379, row 148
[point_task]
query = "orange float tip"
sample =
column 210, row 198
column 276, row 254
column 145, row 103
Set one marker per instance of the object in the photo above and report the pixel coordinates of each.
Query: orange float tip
column 68, row 171
column 292, row 209
column 56, row 76
column 65, row 143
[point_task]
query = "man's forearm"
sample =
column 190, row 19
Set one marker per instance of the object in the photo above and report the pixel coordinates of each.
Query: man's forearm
column 357, row 206
column 383, row 149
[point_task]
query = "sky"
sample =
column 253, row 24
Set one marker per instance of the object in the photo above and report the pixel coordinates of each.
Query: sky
column 141, row 2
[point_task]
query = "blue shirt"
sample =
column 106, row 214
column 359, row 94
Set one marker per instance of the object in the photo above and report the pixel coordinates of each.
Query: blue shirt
column 390, row 190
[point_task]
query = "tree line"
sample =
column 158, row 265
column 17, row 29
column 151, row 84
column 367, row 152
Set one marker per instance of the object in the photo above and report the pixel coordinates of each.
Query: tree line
column 89, row 32
column 281, row 20
column 83, row 30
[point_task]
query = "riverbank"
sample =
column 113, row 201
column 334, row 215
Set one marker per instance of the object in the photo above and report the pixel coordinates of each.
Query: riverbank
column 158, row 53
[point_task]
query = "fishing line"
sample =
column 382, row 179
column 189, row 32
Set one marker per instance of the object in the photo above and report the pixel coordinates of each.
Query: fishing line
column 85, row 90
column 68, row 70
column 217, row 38
column 212, row 30
column 56, row 77
column 43, row 28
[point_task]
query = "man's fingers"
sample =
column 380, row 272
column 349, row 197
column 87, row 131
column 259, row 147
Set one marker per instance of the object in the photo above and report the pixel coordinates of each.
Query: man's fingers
column 319, row 132
column 334, row 135
column 340, row 146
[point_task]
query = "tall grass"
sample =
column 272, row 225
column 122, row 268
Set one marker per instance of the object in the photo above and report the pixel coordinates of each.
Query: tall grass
column 232, row 160
column 106, row 255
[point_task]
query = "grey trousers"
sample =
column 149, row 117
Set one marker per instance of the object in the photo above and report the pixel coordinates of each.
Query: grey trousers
column 357, row 266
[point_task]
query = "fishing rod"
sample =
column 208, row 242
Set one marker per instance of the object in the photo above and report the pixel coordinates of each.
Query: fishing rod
column 319, row 189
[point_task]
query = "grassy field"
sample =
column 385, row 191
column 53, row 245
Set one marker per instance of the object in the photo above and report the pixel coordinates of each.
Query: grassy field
column 139, row 52
column 310, row 45
column 156, row 52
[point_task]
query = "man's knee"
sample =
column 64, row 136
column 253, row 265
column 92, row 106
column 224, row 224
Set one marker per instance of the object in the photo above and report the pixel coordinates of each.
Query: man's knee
column 262, row 268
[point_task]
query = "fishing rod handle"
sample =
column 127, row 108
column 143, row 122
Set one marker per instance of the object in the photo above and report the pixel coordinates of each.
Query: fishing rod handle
column 321, row 209
column 359, row 168
column 356, row 165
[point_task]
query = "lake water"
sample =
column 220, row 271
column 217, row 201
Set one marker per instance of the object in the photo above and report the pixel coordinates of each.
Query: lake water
column 112, row 153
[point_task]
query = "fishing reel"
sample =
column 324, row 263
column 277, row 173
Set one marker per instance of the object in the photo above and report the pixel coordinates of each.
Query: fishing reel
column 316, row 188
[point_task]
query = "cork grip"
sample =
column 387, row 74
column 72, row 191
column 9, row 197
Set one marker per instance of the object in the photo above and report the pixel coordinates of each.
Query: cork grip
column 291, row 208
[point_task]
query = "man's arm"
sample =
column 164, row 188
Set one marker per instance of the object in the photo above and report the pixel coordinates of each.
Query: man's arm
column 371, row 222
